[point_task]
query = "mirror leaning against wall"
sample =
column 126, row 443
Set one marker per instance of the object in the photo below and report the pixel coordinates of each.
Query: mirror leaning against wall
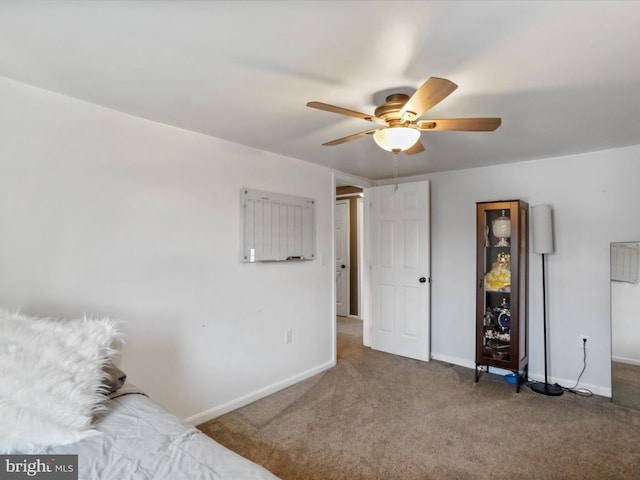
column 625, row 324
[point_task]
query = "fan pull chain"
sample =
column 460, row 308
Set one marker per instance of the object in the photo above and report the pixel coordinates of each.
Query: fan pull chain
column 395, row 169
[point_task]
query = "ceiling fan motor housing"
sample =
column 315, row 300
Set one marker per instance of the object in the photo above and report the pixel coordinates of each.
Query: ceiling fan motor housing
column 389, row 111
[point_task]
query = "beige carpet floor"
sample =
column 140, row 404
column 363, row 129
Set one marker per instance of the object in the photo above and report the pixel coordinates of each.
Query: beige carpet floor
column 379, row 416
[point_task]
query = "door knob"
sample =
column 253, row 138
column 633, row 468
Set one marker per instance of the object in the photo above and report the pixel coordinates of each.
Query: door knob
column 422, row 280
column 343, row 266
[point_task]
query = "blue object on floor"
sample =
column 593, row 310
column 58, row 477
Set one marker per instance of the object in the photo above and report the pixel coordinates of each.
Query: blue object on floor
column 510, row 378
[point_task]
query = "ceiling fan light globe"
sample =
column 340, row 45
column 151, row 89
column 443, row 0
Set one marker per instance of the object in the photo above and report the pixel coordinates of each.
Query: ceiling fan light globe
column 396, row 138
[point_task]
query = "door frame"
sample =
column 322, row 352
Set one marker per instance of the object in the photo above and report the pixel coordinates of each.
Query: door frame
column 340, row 179
column 359, row 239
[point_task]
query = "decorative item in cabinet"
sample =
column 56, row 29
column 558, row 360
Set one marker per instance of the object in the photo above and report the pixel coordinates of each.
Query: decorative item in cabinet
column 502, row 286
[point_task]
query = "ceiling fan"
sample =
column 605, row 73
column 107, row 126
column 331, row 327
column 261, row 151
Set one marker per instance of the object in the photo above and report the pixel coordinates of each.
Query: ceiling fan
column 399, row 119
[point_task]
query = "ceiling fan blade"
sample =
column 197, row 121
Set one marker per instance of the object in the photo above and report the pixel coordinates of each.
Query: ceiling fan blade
column 417, row 147
column 350, row 137
column 460, row 124
column 432, row 92
column 345, row 111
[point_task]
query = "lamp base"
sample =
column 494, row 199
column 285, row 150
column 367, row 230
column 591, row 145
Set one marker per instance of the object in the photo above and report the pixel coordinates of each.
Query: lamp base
column 546, row 389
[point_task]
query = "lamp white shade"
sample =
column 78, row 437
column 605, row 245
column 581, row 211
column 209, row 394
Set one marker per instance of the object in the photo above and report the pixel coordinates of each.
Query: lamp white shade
column 542, row 224
column 396, row 138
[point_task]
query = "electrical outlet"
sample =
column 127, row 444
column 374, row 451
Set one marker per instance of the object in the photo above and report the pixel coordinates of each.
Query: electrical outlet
column 584, row 341
column 288, row 336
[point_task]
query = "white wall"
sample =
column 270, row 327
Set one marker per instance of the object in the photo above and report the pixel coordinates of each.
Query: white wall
column 107, row 214
column 595, row 199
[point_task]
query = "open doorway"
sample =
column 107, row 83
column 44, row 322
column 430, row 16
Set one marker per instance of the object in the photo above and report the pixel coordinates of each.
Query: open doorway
column 397, row 320
column 349, row 252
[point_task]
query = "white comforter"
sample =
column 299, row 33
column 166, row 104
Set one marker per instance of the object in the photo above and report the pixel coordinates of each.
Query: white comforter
column 141, row 440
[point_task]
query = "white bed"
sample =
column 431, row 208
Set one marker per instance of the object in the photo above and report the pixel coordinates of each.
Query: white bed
column 140, row 440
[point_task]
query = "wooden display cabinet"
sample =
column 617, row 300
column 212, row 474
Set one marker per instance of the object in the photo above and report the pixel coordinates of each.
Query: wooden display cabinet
column 502, row 287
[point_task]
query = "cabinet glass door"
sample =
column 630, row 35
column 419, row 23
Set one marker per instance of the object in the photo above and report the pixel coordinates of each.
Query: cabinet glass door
column 496, row 341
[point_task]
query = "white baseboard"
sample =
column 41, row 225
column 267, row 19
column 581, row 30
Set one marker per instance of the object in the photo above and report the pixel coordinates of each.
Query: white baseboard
column 596, row 389
column 236, row 403
column 463, row 362
column 568, row 383
column 630, row 361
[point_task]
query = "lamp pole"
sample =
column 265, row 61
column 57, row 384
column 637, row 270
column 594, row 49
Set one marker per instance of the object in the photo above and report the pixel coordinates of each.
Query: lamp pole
column 545, row 388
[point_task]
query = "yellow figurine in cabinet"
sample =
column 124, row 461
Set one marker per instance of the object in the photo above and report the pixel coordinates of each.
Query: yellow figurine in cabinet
column 499, row 278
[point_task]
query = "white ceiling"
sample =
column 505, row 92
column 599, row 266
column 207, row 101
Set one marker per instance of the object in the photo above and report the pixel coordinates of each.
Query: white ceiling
column 563, row 75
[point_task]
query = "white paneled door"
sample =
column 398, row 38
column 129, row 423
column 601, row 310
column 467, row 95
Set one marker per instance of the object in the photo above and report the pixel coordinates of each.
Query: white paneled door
column 342, row 257
column 400, row 266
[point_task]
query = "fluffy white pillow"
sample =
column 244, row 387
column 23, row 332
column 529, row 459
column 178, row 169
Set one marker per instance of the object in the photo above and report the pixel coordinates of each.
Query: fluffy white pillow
column 52, row 378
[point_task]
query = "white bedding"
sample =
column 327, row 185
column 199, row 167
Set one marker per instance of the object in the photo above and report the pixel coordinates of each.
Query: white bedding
column 141, row 440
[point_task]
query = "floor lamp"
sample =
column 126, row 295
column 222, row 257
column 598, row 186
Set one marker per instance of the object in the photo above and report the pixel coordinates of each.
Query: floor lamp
column 543, row 244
